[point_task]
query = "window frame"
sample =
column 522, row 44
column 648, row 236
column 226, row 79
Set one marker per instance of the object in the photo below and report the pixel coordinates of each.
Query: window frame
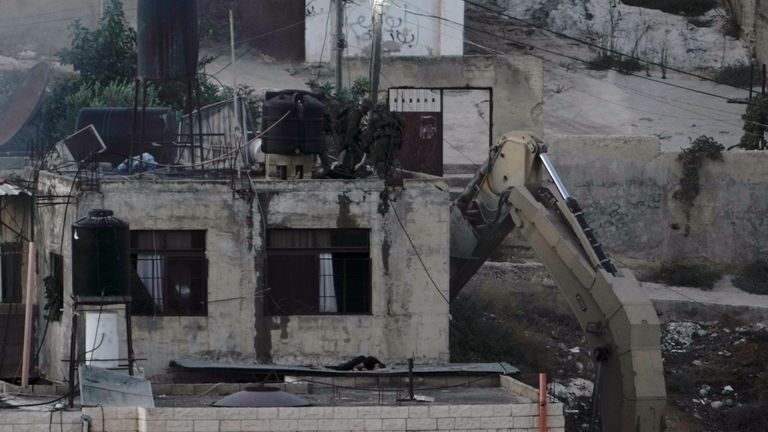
column 191, row 254
column 272, row 251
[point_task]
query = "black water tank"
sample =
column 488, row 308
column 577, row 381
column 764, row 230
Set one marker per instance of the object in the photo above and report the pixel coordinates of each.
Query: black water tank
column 167, row 39
column 301, row 131
column 101, row 260
column 114, row 127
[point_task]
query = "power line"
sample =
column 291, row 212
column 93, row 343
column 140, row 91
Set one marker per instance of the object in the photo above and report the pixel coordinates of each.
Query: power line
column 416, row 251
column 571, row 57
column 594, row 45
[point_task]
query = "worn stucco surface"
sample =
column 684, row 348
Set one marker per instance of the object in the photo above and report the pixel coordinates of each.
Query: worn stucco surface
column 409, row 318
column 517, row 82
column 626, row 187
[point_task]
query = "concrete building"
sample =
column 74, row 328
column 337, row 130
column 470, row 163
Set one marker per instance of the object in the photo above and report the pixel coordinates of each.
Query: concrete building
column 752, row 18
column 220, row 293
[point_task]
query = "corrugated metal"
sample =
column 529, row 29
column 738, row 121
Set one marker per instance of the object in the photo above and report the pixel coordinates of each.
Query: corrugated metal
column 217, row 140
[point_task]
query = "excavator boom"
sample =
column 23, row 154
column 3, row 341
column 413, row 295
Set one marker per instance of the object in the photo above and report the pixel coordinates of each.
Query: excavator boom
column 620, row 323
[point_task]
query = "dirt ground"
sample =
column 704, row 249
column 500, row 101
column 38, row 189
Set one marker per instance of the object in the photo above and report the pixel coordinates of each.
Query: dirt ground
column 716, row 371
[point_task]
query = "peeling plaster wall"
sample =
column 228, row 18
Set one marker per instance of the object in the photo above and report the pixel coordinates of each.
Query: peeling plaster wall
column 516, row 80
column 408, row 317
column 626, row 187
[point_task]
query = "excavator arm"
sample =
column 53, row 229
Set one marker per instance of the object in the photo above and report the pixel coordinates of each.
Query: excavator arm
column 620, row 323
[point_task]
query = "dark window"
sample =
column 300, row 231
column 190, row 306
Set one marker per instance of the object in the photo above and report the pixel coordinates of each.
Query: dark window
column 10, row 268
column 54, row 287
column 169, row 273
column 314, row 271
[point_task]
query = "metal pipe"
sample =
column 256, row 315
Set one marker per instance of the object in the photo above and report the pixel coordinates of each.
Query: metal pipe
column 411, row 395
column 553, row 174
column 87, row 423
column 233, row 122
column 340, row 44
column 378, row 7
column 28, row 302
column 543, row 402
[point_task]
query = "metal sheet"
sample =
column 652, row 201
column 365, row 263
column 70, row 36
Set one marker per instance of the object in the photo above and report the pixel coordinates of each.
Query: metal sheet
column 108, row 388
column 23, row 102
column 462, row 369
column 261, row 397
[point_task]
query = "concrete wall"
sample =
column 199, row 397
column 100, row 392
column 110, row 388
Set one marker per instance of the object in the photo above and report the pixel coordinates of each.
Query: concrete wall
column 474, row 418
column 404, row 33
column 516, row 80
column 41, row 25
column 626, row 186
column 752, row 16
column 408, row 315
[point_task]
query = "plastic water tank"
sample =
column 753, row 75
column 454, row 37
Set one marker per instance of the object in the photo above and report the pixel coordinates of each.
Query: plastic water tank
column 301, row 131
column 101, row 260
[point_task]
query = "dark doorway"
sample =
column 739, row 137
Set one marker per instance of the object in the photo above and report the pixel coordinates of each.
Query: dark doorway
column 422, row 112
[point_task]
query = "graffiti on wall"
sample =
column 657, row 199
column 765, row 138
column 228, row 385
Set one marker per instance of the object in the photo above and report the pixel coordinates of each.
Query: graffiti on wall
column 400, row 27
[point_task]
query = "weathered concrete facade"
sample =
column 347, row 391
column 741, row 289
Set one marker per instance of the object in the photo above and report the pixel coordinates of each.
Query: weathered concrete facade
column 408, row 316
column 517, row 82
column 752, row 17
column 626, row 186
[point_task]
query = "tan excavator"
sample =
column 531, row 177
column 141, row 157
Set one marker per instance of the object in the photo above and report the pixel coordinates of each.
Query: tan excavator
column 620, row 323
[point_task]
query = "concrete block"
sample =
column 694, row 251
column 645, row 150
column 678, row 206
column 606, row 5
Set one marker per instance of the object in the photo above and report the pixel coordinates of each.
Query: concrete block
column 501, row 410
column 316, row 413
column 159, row 413
column 267, row 413
column 231, row 425
column 418, row 412
column 127, row 413
column 333, row 424
column 288, row 413
column 255, row 425
column 344, row 412
column 237, row 413
column 393, row 424
column 467, row 423
column 440, row 411
column 394, row 412
column 446, row 423
column 369, row 412
column 371, row 424
column 193, row 414
column 307, row 424
column 523, row 422
column 416, row 424
column 206, row 426
column 155, row 425
column 496, row 422
column 228, row 388
column 283, row 425
column 179, row 425
column 525, row 410
column 120, row 425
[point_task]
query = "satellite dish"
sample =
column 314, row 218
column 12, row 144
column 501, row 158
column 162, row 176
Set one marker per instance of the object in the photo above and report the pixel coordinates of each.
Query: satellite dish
column 24, row 102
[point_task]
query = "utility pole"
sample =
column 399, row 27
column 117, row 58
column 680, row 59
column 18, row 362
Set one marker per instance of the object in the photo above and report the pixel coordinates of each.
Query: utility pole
column 341, row 42
column 235, row 109
column 378, row 8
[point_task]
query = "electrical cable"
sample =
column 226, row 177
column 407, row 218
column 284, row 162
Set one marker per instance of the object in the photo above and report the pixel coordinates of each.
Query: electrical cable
column 572, row 57
column 594, row 45
column 416, row 251
column 322, row 50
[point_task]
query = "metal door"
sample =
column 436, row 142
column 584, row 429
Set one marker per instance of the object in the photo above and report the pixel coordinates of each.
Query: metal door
column 422, row 146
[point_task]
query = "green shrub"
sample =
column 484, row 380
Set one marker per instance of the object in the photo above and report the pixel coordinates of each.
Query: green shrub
column 623, row 64
column 679, row 7
column 755, row 117
column 734, row 74
column 692, row 158
column 753, row 278
column 688, row 273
